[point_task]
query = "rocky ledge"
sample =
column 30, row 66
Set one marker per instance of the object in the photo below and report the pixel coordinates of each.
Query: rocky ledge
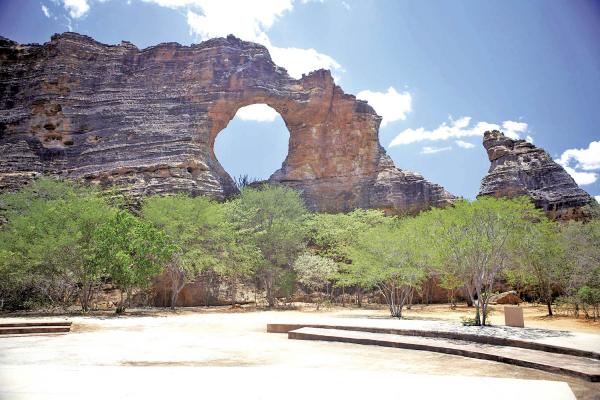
column 518, row 168
column 146, row 121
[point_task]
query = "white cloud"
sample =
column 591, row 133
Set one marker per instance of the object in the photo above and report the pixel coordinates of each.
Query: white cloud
column 300, row 61
column 464, row 145
column 46, row 11
column 582, row 178
column 459, row 128
column 512, row 129
column 391, row 105
column 76, row 8
column 433, row 150
column 346, row 6
column 529, row 138
column 257, row 112
column 586, row 159
column 597, row 198
column 578, row 163
column 250, row 20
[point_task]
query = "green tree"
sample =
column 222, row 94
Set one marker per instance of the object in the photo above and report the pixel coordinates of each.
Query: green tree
column 273, row 216
column 47, row 244
column 203, row 239
column 391, row 258
column 580, row 243
column 315, row 272
column 133, row 252
column 540, row 258
column 331, row 235
column 475, row 241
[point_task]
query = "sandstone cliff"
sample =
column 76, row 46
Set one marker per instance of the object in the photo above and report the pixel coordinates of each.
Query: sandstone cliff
column 519, row 168
column 146, row 121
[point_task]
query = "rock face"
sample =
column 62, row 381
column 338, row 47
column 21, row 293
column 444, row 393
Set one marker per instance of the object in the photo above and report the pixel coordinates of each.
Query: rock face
column 146, row 121
column 518, row 168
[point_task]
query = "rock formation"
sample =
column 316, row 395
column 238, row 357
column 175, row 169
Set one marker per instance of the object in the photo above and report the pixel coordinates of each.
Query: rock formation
column 146, row 121
column 519, row 168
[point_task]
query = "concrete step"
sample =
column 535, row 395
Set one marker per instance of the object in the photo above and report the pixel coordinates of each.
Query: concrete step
column 440, row 334
column 25, row 324
column 580, row 367
column 25, row 328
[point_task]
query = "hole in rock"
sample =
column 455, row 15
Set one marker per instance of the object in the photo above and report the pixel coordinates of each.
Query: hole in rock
column 254, row 143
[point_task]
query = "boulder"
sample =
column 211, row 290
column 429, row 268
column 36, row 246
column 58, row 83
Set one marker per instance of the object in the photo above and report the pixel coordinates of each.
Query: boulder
column 509, row 297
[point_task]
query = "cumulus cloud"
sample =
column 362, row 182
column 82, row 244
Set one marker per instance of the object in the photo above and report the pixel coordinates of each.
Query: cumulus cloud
column 433, row 150
column 597, row 198
column 586, row 159
column 301, row 61
column 46, row 11
column 257, row 112
column 457, row 129
column 251, row 21
column 579, row 162
column 582, row 178
column 391, row 105
column 464, row 145
column 76, row 8
column 248, row 20
column 513, row 129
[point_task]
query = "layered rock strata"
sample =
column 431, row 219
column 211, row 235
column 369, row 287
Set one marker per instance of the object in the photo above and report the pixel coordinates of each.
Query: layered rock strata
column 518, row 168
column 146, row 121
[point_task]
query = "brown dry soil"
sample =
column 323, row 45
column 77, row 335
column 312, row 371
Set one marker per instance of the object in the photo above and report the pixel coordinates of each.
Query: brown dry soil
column 535, row 317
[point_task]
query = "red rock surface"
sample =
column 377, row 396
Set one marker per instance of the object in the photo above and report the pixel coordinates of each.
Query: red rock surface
column 146, row 121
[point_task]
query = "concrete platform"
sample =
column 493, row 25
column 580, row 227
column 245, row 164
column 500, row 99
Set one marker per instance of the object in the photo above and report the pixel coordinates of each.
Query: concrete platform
column 581, row 367
column 229, row 355
column 263, row 383
column 560, row 342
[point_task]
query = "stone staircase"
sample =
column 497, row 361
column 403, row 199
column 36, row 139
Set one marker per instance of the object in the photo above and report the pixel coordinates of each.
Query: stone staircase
column 578, row 363
column 31, row 328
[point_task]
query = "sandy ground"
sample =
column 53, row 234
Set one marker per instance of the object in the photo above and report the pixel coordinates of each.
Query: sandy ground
column 535, row 316
column 105, row 356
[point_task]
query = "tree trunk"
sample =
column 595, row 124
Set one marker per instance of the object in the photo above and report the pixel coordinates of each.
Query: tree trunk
column 549, row 304
column 84, row 297
column 269, row 290
column 177, row 284
column 470, row 296
column 121, row 306
column 233, row 291
column 318, row 299
column 174, row 295
column 477, row 308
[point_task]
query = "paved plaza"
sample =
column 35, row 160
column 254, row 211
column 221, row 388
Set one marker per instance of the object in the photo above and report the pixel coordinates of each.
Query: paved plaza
column 227, row 355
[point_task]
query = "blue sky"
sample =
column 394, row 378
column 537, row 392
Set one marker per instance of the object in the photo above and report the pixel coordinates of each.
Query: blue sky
column 439, row 72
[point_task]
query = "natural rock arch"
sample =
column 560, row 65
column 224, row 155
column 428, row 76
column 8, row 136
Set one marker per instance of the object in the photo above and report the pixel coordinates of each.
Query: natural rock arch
column 146, row 120
column 260, row 135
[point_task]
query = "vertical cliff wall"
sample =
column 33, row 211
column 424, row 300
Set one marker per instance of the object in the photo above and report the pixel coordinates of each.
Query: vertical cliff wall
column 146, row 121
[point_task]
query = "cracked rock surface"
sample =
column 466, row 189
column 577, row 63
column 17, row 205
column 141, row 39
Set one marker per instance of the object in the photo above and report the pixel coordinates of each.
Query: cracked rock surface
column 146, row 120
column 518, row 168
